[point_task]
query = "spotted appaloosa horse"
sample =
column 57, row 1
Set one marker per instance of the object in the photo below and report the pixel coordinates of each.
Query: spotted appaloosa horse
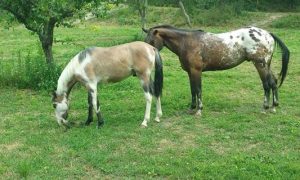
column 108, row 65
column 200, row 51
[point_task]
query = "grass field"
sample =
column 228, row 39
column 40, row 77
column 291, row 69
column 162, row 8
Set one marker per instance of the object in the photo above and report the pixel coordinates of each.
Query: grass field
column 232, row 139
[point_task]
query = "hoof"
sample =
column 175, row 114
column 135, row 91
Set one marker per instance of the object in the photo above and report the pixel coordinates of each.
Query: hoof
column 87, row 122
column 273, row 110
column 198, row 113
column 191, row 111
column 157, row 119
column 263, row 111
column 275, row 103
column 266, row 107
column 66, row 124
column 100, row 124
column 144, row 124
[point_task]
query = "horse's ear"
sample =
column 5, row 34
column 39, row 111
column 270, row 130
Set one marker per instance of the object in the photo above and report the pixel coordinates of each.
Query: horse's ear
column 145, row 30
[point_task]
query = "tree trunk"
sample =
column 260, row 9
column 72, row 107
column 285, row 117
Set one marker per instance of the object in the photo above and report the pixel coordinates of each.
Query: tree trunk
column 143, row 5
column 187, row 18
column 46, row 38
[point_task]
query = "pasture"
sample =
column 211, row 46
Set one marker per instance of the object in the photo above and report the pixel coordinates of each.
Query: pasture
column 232, row 139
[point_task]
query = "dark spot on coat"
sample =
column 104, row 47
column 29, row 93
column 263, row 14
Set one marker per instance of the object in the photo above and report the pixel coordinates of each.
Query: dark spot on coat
column 251, row 31
column 82, row 54
column 149, row 87
column 253, row 37
column 258, row 33
column 243, row 38
column 231, row 37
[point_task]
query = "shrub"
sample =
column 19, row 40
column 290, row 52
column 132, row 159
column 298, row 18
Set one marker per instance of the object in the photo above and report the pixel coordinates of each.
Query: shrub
column 29, row 71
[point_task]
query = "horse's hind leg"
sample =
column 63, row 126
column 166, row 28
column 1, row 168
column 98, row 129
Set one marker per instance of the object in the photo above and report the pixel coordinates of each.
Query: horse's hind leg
column 158, row 110
column 148, row 91
column 273, row 84
column 267, row 81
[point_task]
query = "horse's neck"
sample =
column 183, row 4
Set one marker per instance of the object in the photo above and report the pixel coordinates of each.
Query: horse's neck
column 173, row 41
column 66, row 80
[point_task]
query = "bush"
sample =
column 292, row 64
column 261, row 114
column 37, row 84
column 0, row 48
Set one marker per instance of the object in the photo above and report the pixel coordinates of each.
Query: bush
column 30, row 71
column 216, row 16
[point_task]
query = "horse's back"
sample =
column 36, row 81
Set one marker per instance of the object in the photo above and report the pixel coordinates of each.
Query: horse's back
column 257, row 43
column 113, row 64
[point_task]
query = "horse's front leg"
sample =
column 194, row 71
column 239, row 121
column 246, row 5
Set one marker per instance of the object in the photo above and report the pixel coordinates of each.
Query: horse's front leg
column 90, row 109
column 193, row 91
column 96, row 104
column 196, row 89
column 199, row 94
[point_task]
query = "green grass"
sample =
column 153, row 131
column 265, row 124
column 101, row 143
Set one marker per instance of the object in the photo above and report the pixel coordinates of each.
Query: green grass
column 232, row 140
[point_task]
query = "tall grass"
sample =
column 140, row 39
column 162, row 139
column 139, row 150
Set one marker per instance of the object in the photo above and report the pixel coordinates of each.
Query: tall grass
column 29, row 71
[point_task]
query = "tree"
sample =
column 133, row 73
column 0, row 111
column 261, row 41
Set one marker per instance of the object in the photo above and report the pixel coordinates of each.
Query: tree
column 142, row 7
column 41, row 16
column 187, row 18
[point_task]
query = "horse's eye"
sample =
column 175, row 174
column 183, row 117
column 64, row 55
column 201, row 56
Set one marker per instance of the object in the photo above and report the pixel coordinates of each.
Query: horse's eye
column 54, row 105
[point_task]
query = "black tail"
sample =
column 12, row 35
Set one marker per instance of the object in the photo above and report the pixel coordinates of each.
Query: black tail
column 285, row 58
column 158, row 77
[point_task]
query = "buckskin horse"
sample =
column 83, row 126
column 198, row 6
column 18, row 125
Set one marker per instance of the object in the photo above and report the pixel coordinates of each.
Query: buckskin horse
column 200, row 51
column 108, row 65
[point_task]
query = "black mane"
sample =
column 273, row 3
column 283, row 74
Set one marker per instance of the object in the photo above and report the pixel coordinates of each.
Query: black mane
column 177, row 29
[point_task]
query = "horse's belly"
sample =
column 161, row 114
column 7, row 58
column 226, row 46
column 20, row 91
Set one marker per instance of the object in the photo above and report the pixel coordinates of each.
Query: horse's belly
column 223, row 60
column 115, row 77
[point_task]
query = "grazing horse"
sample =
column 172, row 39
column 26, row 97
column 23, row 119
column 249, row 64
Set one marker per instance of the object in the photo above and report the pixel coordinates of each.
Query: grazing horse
column 200, row 51
column 108, row 65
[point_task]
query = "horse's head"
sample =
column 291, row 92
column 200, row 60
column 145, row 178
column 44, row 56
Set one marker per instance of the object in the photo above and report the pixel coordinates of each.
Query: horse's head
column 154, row 38
column 61, row 106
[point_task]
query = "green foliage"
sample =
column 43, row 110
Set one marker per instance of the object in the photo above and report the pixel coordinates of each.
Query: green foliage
column 29, row 71
column 252, row 5
column 216, row 16
column 289, row 22
column 42, row 16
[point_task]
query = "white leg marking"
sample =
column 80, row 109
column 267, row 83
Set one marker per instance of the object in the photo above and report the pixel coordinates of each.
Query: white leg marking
column 199, row 113
column 64, row 121
column 158, row 110
column 148, row 98
column 94, row 97
column 273, row 109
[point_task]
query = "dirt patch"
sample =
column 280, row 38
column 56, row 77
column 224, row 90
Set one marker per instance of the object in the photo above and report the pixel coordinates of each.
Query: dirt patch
column 10, row 147
column 219, row 148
